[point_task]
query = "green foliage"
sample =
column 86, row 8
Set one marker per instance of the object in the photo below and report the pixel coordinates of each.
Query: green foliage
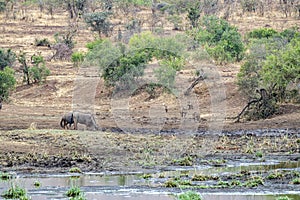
column 254, row 181
column 77, row 58
column 99, row 22
column 279, row 70
column 75, row 170
column 38, row 72
column 37, row 184
column 74, row 192
column 189, row 195
column 185, row 161
column 296, row 181
column 194, row 15
column 7, row 58
column 2, row 6
column 262, row 33
column 5, row 176
column 121, row 66
column 7, row 81
column 222, row 41
column 15, row 192
column 171, row 183
column 272, row 63
column 93, row 44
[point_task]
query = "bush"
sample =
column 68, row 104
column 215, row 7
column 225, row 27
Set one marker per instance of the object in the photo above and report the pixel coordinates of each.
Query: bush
column 42, row 42
column 7, row 81
column 77, row 58
column 99, row 22
column 15, row 192
column 279, row 70
column 2, row 6
column 262, row 33
column 189, row 195
column 7, row 58
column 121, row 66
column 222, row 41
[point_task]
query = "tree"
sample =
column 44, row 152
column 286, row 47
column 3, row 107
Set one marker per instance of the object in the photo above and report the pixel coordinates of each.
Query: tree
column 272, row 63
column 7, row 58
column 7, row 82
column 222, row 41
column 122, row 66
column 279, row 70
column 35, row 73
column 99, row 22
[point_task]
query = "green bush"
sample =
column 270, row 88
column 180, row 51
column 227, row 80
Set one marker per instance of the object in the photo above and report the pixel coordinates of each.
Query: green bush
column 2, row 6
column 99, row 22
column 7, row 81
column 262, row 33
column 77, row 58
column 7, row 58
column 222, row 41
column 121, row 66
column 38, row 72
column 279, row 70
column 15, row 192
column 189, row 195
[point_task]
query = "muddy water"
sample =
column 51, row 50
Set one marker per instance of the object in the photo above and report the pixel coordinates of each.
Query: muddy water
column 116, row 186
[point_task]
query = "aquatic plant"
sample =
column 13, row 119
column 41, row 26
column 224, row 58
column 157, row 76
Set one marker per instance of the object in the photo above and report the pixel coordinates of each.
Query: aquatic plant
column 37, row 184
column 185, row 161
column 259, row 154
column 275, row 175
column 5, row 176
column 189, row 195
column 74, row 191
column 171, row 183
column 146, row 176
column 15, row 192
column 254, row 181
column 75, row 170
column 296, row 181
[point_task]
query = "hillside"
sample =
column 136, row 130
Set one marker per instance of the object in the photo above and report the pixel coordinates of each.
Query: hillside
column 42, row 105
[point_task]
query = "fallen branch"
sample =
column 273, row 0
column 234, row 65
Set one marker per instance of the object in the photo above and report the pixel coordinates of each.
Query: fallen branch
column 194, row 83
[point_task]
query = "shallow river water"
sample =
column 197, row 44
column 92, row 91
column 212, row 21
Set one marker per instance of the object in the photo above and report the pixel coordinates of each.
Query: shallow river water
column 133, row 186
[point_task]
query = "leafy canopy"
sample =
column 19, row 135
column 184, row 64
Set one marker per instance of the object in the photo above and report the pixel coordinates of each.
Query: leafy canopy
column 222, row 41
column 123, row 65
column 7, row 81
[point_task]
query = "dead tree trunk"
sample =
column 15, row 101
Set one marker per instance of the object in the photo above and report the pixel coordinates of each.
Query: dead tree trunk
column 263, row 106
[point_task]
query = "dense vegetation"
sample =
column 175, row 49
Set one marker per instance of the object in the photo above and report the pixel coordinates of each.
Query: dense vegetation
column 269, row 59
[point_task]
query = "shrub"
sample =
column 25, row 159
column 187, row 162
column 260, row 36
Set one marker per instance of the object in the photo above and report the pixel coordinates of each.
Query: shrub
column 189, row 195
column 15, row 192
column 2, row 6
column 38, row 72
column 7, row 81
column 77, row 58
column 7, row 58
column 222, row 41
column 262, row 33
column 42, row 42
column 74, row 192
column 99, row 22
